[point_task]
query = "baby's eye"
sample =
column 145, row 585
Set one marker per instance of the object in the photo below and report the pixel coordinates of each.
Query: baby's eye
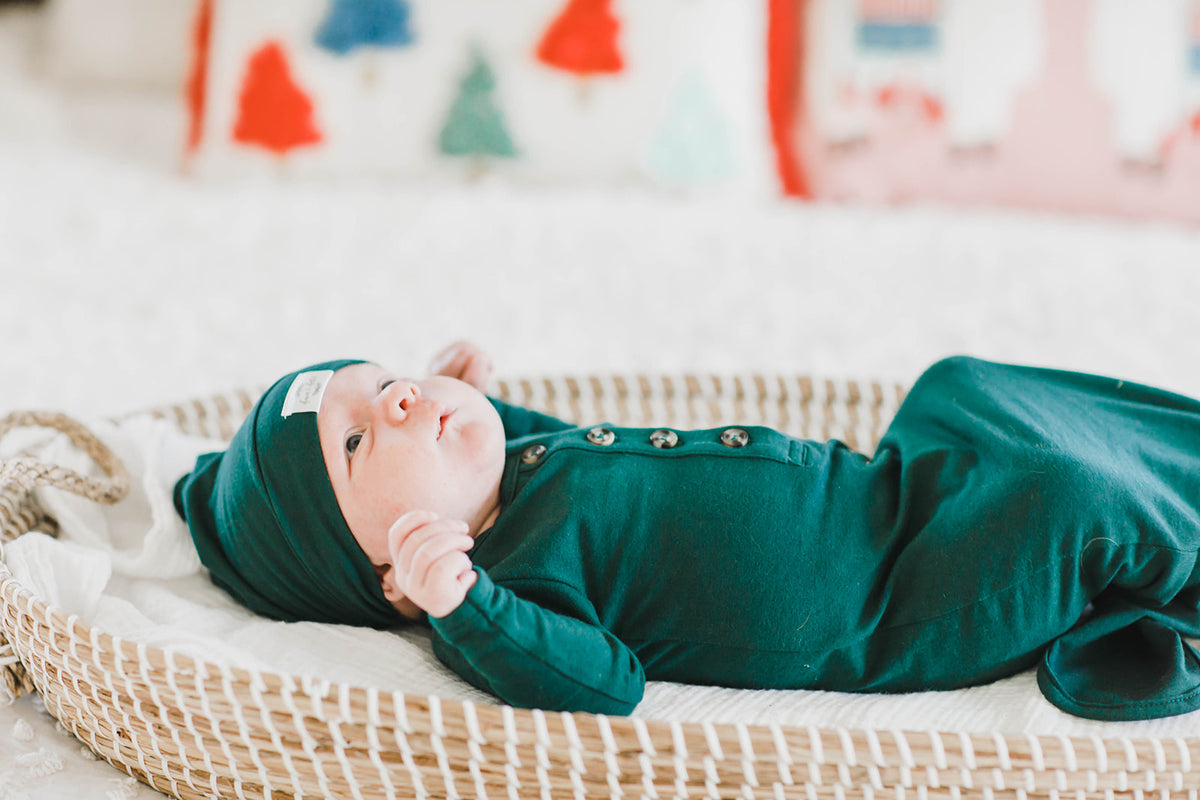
column 352, row 443
column 386, row 382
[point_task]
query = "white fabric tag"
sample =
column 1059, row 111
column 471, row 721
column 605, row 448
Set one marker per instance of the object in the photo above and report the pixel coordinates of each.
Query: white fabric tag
column 306, row 392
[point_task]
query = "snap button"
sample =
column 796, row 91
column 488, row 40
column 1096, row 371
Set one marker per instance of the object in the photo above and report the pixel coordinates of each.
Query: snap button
column 664, row 439
column 533, row 453
column 601, row 436
column 734, row 437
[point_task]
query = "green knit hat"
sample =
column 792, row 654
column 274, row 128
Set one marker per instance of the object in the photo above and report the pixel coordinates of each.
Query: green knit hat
column 265, row 519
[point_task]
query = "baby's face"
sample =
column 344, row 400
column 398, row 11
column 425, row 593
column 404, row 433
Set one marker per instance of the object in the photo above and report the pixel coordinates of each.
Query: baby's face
column 394, row 445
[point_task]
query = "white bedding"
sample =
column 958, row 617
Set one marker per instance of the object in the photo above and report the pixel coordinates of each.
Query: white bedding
column 124, row 286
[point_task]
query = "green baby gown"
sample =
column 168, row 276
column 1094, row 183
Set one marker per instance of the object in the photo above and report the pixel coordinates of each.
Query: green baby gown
column 1010, row 517
column 1069, row 505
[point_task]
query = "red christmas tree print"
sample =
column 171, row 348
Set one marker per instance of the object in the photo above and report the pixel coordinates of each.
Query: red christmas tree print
column 273, row 111
column 197, row 81
column 582, row 39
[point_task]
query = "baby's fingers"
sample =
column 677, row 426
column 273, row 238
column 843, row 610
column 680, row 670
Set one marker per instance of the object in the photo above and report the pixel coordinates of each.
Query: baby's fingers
column 465, row 361
column 403, row 528
column 477, row 372
column 433, row 550
column 402, row 559
column 449, row 580
column 450, row 359
column 430, row 565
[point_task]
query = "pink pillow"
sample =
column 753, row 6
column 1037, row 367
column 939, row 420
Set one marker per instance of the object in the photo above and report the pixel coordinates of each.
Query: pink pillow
column 1068, row 105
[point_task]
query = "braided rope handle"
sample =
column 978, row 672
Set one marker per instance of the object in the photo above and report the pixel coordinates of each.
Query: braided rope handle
column 25, row 473
column 20, row 475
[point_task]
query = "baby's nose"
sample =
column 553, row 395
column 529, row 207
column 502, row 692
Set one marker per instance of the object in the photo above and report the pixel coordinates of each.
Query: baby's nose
column 399, row 398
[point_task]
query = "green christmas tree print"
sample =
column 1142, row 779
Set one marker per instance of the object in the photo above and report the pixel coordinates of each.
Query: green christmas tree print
column 475, row 126
column 693, row 145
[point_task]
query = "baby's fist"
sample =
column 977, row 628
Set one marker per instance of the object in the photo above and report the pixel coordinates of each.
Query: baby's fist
column 430, row 562
column 465, row 361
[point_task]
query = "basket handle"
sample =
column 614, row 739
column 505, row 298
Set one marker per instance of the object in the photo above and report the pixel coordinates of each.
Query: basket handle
column 25, row 473
column 19, row 476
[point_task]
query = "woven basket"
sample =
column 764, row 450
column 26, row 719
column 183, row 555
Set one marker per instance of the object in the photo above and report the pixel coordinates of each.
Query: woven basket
column 194, row 729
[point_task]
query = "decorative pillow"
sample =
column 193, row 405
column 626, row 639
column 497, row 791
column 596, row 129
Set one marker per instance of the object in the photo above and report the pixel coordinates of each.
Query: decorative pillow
column 1082, row 105
column 671, row 91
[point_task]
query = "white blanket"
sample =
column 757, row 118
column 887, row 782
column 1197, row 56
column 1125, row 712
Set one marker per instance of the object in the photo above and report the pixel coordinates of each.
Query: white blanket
column 131, row 570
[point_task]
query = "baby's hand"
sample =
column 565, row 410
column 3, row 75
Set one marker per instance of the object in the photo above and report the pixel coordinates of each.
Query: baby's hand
column 430, row 561
column 465, row 361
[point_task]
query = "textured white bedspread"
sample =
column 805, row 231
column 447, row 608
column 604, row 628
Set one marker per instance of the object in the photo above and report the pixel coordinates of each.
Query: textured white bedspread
column 123, row 285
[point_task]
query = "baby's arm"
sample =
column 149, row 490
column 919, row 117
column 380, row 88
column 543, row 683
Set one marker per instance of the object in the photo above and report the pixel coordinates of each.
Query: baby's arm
column 530, row 656
column 513, row 647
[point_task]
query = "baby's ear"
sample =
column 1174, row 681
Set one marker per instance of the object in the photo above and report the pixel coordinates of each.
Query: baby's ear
column 384, row 572
column 394, row 596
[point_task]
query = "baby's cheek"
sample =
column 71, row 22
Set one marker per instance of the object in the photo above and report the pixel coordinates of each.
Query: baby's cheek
column 370, row 527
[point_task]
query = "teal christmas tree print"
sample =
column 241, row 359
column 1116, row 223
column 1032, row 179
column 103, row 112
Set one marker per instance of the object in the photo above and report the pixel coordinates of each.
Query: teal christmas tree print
column 475, row 126
column 693, row 143
column 350, row 24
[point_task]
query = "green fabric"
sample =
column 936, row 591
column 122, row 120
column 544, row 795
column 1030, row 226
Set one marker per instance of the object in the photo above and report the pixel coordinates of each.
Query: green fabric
column 267, row 525
column 519, row 422
column 1010, row 517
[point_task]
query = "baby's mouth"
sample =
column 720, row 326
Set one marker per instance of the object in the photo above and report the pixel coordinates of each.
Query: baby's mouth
column 442, row 421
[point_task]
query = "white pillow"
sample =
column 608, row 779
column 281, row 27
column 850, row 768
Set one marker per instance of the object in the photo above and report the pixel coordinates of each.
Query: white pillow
column 686, row 108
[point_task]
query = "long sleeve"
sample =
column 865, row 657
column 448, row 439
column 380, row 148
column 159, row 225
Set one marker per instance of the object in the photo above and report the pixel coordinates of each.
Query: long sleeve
column 533, row 657
column 520, row 421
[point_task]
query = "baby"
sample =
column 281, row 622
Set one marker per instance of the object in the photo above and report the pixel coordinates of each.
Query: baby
column 1010, row 517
